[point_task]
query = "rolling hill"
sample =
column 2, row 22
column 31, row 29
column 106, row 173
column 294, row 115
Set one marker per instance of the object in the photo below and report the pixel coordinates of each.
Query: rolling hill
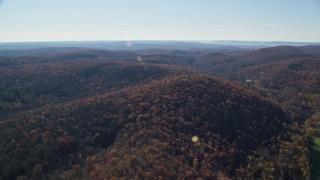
column 225, row 63
column 300, row 75
column 147, row 127
column 28, row 86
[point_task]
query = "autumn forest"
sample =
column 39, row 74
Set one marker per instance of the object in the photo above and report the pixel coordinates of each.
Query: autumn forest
column 218, row 112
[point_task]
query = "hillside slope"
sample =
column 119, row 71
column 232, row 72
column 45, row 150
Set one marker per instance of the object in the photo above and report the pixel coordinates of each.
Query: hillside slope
column 227, row 63
column 300, row 75
column 194, row 126
column 148, row 131
column 27, row 86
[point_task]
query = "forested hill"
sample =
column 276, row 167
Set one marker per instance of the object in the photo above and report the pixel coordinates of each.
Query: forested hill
column 147, row 131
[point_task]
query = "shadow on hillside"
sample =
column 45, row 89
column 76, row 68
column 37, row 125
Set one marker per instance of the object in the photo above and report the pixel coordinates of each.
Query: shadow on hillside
column 314, row 158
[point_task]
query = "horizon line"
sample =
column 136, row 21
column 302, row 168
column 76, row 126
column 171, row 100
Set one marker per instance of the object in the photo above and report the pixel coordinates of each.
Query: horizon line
column 168, row 40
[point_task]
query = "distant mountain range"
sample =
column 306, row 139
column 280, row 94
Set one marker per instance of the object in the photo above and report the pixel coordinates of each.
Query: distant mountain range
column 136, row 45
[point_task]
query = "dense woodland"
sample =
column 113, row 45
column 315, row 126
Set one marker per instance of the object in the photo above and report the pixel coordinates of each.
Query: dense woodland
column 160, row 114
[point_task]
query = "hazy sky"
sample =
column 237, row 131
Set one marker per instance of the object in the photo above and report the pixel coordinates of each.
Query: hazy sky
column 264, row 20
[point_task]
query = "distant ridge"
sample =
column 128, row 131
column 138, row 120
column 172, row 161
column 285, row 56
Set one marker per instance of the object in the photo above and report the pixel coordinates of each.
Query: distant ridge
column 264, row 43
column 140, row 44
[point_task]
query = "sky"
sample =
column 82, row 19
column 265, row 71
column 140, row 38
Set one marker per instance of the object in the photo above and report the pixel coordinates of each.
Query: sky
column 76, row 20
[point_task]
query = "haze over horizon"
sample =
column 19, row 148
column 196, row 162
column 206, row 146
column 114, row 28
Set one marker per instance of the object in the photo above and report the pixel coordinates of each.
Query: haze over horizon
column 80, row 20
